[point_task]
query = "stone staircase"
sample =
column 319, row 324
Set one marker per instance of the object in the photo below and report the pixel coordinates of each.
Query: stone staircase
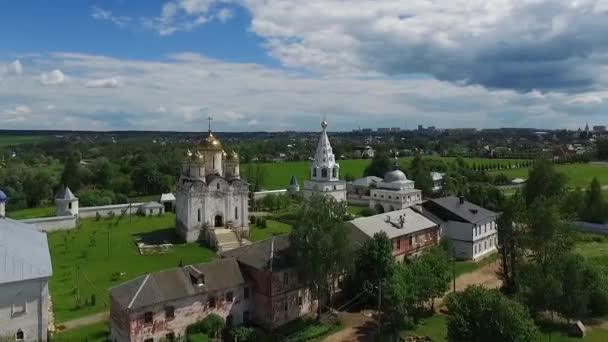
column 226, row 239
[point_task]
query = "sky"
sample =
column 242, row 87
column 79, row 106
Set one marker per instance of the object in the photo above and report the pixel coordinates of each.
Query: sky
column 275, row 65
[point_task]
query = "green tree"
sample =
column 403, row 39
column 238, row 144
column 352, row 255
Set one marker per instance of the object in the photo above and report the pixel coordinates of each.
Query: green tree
column 479, row 314
column 379, row 165
column 37, row 187
column 102, row 172
column 320, row 246
column 596, row 210
column 71, row 175
column 421, row 174
column 432, row 275
column 374, row 261
column 510, row 242
column 544, row 181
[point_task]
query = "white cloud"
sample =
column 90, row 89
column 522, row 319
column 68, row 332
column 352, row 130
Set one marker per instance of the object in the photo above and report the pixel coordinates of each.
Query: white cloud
column 586, row 99
column 224, row 15
column 15, row 67
column 179, row 15
column 103, row 83
column 54, row 77
column 180, row 91
column 103, row 15
column 50, row 106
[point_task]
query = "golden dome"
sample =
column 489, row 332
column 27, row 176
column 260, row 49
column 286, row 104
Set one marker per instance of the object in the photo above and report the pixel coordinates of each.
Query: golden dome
column 211, row 143
column 194, row 156
column 232, row 156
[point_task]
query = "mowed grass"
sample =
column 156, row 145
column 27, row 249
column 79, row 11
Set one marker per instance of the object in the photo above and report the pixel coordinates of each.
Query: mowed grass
column 98, row 332
column 31, row 213
column 12, row 140
column 277, row 175
column 81, row 265
column 462, row 267
column 579, row 175
column 257, row 233
column 436, row 328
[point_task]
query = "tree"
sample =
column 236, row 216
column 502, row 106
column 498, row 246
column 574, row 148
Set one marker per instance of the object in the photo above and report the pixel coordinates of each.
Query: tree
column 480, row 314
column 102, row 172
column 432, row 275
column 510, row 242
column 602, row 149
column 544, row 181
column 596, row 210
column 37, row 187
column 379, row 165
column 374, row 261
column 70, row 176
column 421, row 174
column 320, row 245
column 244, row 334
column 485, row 195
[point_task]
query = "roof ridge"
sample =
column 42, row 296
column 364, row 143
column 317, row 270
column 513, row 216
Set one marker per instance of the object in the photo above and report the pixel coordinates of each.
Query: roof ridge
column 141, row 286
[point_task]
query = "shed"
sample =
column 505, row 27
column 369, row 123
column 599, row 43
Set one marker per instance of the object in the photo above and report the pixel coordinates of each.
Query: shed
column 151, row 208
column 168, row 201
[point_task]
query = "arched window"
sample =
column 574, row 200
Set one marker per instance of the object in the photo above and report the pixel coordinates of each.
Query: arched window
column 19, row 336
column 324, row 172
column 236, row 213
column 218, row 186
column 335, row 172
column 314, row 172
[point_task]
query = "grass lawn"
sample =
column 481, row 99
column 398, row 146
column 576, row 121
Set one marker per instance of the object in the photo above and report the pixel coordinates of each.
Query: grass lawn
column 11, row 140
column 257, row 233
column 81, row 265
column 355, row 210
column 436, row 328
column 277, row 175
column 97, row 332
column 579, row 175
column 306, row 329
column 31, row 213
column 463, row 267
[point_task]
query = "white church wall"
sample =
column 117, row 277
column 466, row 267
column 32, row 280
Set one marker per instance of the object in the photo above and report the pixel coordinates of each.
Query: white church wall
column 31, row 296
column 105, row 210
column 51, row 224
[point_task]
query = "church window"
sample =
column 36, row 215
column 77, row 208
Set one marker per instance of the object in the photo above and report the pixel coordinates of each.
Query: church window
column 218, row 186
column 286, row 305
column 398, row 244
column 389, row 196
column 314, row 172
column 70, row 205
column 236, row 213
column 335, row 187
column 19, row 336
column 335, row 172
column 148, row 317
column 382, row 196
column 199, row 215
column 300, row 300
column 324, row 172
column 411, row 240
column 18, row 305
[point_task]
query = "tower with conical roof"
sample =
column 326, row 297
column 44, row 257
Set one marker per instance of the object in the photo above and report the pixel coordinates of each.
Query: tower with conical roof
column 3, row 199
column 211, row 199
column 67, row 203
column 324, row 171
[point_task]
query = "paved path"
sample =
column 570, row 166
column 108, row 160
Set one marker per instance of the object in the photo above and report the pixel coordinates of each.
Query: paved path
column 82, row 321
column 358, row 327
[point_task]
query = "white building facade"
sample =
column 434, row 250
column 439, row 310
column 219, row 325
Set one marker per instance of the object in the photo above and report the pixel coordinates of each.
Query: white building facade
column 471, row 228
column 25, row 268
column 394, row 192
column 211, row 199
column 324, row 171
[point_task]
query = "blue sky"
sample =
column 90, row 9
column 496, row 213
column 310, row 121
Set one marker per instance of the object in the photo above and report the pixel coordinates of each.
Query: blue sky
column 281, row 64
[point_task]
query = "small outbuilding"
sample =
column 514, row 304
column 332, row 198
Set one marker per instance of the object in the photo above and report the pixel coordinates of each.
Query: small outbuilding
column 168, row 201
column 151, row 208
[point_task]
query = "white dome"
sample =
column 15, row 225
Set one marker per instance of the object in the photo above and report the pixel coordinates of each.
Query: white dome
column 395, row 176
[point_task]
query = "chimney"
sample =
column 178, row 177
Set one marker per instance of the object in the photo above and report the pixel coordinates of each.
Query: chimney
column 461, row 198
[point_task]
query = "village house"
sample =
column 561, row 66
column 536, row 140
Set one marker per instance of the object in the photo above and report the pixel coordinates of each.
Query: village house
column 410, row 232
column 471, row 227
column 254, row 283
column 25, row 269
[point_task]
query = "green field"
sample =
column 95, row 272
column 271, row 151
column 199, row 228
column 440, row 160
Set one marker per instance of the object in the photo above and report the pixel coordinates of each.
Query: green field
column 277, row 175
column 81, row 265
column 31, row 213
column 436, row 328
column 257, row 233
column 579, row 175
column 97, row 332
column 11, row 140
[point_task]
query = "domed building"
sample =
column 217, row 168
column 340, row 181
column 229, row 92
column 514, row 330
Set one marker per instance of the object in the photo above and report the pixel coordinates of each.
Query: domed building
column 324, row 171
column 211, row 199
column 394, row 192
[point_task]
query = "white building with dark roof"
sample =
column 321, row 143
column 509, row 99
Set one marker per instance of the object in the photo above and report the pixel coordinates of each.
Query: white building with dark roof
column 325, row 172
column 25, row 269
column 471, row 228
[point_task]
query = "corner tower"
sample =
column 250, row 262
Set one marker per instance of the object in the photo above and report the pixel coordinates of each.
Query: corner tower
column 324, row 171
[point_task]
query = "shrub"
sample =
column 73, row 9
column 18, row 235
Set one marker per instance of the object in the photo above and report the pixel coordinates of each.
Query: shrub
column 244, row 334
column 368, row 212
column 210, row 325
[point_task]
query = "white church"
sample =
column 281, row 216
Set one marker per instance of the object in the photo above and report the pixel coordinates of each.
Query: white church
column 211, row 198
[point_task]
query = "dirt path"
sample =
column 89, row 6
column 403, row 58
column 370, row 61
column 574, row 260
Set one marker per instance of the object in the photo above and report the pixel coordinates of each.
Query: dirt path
column 82, row 321
column 358, row 327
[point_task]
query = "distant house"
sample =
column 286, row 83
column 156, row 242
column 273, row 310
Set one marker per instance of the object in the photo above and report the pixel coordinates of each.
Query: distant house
column 410, row 232
column 25, row 269
column 363, row 152
column 437, row 178
column 471, row 228
column 361, row 186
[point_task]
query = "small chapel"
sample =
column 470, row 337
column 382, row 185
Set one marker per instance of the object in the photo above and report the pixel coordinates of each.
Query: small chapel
column 211, row 199
column 324, row 171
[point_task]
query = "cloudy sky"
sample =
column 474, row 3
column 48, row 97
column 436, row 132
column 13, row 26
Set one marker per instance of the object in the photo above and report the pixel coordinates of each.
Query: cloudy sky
column 283, row 64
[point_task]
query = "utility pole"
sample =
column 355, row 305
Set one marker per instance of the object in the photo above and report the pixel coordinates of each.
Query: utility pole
column 453, row 270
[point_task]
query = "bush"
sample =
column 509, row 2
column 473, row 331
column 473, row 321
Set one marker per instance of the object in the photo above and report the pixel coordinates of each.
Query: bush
column 244, row 334
column 210, row 325
column 368, row 212
column 93, row 198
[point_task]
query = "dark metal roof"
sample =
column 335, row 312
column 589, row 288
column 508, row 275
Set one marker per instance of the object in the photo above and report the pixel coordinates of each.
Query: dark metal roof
column 466, row 211
column 176, row 283
column 258, row 255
